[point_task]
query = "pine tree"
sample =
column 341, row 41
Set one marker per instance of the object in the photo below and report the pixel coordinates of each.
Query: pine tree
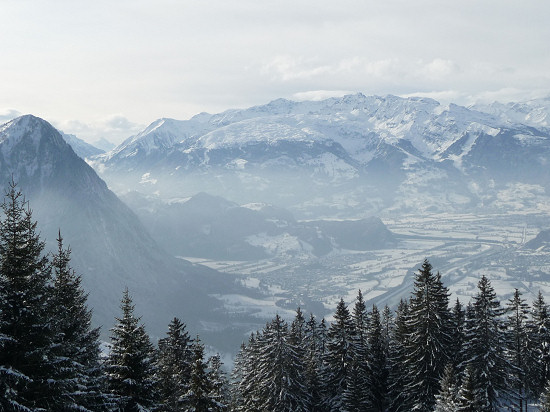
column 27, row 361
column 357, row 391
column 245, row 394
column 280, row 371
column 174, row 361
column 198, row 397
column 354, row 398
column 399, row 375
column 446, row 399
column 470, row 397
column 539, row 346
column 485, row 347
column 338, row 357
column 237, row 379
column 458, row 318
column 297, row 329
column 545, row 398
column 360, row 320
column 78, row 375
column 377, row 364
column 517, row 346
column 130, row 365
column 219, row 385
column 429, row 344
column 296, row 339
column 387, row 328
column 314, row 341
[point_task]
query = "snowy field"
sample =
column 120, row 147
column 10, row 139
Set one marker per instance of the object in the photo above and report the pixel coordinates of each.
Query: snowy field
column 460, row 247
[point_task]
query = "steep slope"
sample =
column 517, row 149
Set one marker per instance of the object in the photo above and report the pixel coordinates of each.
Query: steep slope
column 111, row 249
column 351, row 156
column 540, row 242
column 80, row 147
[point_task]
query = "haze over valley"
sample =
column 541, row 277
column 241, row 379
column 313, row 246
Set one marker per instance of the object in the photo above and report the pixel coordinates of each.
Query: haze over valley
column 227, row 219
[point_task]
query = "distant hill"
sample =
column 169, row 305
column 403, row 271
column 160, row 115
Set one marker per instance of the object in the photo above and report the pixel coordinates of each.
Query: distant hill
column 542, row 240
column 211, row 227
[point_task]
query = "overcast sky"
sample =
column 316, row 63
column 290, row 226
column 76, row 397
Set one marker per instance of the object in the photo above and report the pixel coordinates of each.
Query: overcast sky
column 108, row 68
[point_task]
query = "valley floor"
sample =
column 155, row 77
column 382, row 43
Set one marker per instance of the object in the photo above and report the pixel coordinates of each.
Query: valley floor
column 460, row 247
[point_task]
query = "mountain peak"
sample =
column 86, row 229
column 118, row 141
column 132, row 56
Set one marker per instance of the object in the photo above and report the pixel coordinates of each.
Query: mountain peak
column 28, row 130
column 25, row 122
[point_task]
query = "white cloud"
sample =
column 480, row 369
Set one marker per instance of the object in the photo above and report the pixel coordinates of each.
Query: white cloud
column 8, row 114
column 317, row 95
column 440, row 68
column 114, row 128
column 287, row 68
column 70, row 60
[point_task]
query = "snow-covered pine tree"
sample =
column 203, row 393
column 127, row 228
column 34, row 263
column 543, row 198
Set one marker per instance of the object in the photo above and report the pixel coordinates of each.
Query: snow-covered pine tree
column 78, row 376
column 470, row 397
column 236, row 379
column 360, row 321
column 322, row 332
column 26, row 359
column 338, row 357
column 545, row 398
column 539, row 346
column 353, row 398
column 458, row 317
column 296, row 337
column 399, row 375
column 174, row 360
column 388, row 324
column 198, row 396
column 428, row 347
column 280, row 377
column 517, row 348
column 314, row 342
column 130, row 366
column 446, row 399
column 357, row 392
column 245, row 392
column 219, row 384
column 297, row 329
column 485, row 347
column 377, row 363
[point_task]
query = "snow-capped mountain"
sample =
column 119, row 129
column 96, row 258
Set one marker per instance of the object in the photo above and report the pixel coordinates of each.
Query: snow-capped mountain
column 110, row 247
column 356, row 155
column 534, row 112
column 80, row 147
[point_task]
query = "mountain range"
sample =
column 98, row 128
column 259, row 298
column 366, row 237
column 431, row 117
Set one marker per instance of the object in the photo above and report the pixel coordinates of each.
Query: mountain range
column 354, row 156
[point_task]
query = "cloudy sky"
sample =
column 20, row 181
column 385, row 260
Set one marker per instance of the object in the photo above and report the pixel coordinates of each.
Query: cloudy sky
column 108, row 68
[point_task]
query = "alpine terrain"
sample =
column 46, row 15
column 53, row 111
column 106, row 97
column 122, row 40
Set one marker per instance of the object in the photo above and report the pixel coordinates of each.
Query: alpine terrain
column 317, row 199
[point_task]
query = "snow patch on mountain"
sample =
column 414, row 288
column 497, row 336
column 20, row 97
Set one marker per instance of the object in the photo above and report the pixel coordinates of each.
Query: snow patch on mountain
column 268, row 131
column 22, row 130
column 534, row 112
column 280, row 245
column 333, row 167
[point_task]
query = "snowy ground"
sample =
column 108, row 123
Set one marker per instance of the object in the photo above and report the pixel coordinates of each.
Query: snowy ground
column 460, row 247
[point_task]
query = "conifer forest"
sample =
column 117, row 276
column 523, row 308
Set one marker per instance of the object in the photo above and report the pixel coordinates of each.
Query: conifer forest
column 428, row 354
